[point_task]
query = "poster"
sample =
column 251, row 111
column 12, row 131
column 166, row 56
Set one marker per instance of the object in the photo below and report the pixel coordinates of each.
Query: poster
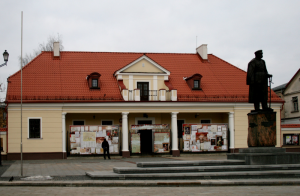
column 88, row 139
column 135, row 143
column 161, row 142
column 295, row 139
column 205, row 137
column 288, row 139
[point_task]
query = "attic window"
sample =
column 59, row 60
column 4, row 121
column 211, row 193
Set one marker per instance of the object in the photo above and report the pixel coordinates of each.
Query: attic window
column 94, row 80
column 196, row 84
column 194, row 81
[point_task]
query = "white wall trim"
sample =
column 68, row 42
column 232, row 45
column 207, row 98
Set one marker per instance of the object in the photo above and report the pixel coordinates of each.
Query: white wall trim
column 130, row 82
column 290, row 129
column 144, row 118
column 41, row 126
column 144, row 57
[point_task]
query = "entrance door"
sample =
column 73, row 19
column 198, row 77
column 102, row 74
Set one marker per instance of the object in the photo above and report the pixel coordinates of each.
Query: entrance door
column 146, row 138
column 144, row 90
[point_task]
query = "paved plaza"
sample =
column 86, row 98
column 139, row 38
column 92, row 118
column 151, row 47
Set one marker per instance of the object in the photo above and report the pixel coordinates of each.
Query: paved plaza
column 77, row 166
column 180, row 191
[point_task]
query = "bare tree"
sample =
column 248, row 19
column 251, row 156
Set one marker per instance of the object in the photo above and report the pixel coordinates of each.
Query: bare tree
column 43, row 47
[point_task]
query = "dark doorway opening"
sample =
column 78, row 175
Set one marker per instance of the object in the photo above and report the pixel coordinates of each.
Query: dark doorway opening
column 146, row 138
column 144, row 90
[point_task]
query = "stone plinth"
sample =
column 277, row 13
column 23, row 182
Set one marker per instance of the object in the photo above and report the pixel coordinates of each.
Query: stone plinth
column 262, row 129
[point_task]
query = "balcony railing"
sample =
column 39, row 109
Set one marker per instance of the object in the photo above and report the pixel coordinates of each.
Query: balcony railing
column 150, row 95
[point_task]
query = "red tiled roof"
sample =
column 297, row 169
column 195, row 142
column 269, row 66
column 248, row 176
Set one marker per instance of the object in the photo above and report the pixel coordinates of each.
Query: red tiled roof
column 290, row 126
column 56, row 80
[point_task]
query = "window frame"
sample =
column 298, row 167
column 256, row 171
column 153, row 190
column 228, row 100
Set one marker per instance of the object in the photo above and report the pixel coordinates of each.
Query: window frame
column 198, row 83
column 28, row 125
column 112, row 121
column 295, row 103
column 94, row 79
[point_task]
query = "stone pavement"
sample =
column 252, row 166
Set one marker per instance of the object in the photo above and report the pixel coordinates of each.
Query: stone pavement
column 79, row 165
column 172, row 191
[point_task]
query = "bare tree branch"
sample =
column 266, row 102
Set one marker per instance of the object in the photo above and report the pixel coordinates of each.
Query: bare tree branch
column 48, row 46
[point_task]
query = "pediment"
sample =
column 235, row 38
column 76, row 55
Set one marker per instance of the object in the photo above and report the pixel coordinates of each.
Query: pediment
column 143, row 65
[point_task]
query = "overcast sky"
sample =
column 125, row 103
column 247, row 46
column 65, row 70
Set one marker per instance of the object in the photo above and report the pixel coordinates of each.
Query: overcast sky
column 233, row 29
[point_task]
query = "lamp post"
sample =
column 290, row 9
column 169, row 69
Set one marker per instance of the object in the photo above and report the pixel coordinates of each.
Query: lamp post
column 5, row 56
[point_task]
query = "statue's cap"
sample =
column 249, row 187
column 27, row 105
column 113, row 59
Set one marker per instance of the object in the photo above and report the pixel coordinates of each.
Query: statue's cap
column 259, row 51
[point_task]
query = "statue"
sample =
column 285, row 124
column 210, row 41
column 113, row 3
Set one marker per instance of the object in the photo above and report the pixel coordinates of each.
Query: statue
column 257, row 79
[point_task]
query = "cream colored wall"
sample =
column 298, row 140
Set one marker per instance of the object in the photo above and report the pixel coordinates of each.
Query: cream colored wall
column 293, row 90
column 4, row 143
column 138, row 67
column 51, row 131
column 241, row 127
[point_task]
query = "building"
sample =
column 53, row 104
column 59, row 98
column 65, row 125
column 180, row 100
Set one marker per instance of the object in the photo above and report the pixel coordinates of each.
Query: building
column 139, row 101
column 290, row 115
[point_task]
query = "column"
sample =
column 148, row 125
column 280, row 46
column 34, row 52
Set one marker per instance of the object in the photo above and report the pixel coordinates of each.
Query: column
column 231, row 129
column 125, row 150
column 63, row 119
column 175, row 151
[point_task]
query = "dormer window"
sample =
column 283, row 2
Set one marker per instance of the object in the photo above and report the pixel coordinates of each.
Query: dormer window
column 94, row 83
column 196, row 84
column 94, row 80
column 194, row 81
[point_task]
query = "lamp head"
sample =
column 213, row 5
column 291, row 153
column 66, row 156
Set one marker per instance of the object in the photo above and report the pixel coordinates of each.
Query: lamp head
column 5, row 56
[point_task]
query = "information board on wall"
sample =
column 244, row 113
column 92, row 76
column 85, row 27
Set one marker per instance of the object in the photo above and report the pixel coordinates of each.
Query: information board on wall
column 161, row 142
column 135, row 143
column 205, row 137
column 88, row 139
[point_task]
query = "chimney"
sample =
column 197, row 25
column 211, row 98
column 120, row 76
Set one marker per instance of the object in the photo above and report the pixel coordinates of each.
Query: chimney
column 56, row 49
column 202, row 51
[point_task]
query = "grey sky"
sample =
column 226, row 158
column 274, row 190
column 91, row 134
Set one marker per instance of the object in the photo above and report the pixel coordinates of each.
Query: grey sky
column 233, row 29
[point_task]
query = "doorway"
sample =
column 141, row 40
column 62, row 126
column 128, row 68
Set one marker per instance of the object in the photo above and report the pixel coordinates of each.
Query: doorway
column 144, row 90
column 146, row 138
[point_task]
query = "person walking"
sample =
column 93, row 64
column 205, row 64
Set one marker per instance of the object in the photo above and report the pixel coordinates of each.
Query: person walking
column 105, row 147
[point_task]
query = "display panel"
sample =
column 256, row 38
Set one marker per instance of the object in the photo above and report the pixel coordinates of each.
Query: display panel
column 161, row 142
column 205, row 137
column 135, row 143
column 86, row 140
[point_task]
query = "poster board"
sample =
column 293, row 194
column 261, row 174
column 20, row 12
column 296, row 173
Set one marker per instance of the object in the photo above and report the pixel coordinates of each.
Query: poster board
column 87, row 139
column 205, row 137
column 161, row 142
column 135, row 143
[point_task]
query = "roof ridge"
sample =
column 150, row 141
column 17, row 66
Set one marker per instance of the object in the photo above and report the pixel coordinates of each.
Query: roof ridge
column 124, row 52
column 228, row 63
column 25, row 66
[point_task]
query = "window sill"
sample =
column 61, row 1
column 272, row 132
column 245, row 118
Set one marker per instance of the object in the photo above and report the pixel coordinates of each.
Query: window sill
column 95, row 88
column 196, row 88
column 295, row 111
column 34, row 138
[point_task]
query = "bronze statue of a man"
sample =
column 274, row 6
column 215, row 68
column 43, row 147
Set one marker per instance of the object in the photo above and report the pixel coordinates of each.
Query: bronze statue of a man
column 257, row 79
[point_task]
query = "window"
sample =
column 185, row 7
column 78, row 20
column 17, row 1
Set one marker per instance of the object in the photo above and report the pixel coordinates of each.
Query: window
column 290, row 139
column 35, row 128
column 196, row 83
column 78, row 122
column 107, row 122
column 94, row 80
column 94, row 83
column 295, row 104
column 205, row 121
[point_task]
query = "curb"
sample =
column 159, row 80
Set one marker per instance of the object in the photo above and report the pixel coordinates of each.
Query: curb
column 91, row 183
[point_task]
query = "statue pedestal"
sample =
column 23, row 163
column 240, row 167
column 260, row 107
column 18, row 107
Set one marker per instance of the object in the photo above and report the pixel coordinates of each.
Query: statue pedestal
column 262, row 129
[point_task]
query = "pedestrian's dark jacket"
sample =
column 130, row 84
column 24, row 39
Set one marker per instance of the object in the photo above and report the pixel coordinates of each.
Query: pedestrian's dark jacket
column 105, row 145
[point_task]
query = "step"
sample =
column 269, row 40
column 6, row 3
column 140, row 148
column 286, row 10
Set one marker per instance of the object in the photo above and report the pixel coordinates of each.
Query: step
column 223, row 168
column 266, row 158
column 106, row 175
column 190, row 163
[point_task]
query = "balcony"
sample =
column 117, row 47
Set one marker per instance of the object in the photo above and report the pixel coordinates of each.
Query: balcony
column 149, row 95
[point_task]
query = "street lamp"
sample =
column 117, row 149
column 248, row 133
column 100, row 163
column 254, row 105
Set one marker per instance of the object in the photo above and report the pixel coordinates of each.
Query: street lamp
column 5, row 56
